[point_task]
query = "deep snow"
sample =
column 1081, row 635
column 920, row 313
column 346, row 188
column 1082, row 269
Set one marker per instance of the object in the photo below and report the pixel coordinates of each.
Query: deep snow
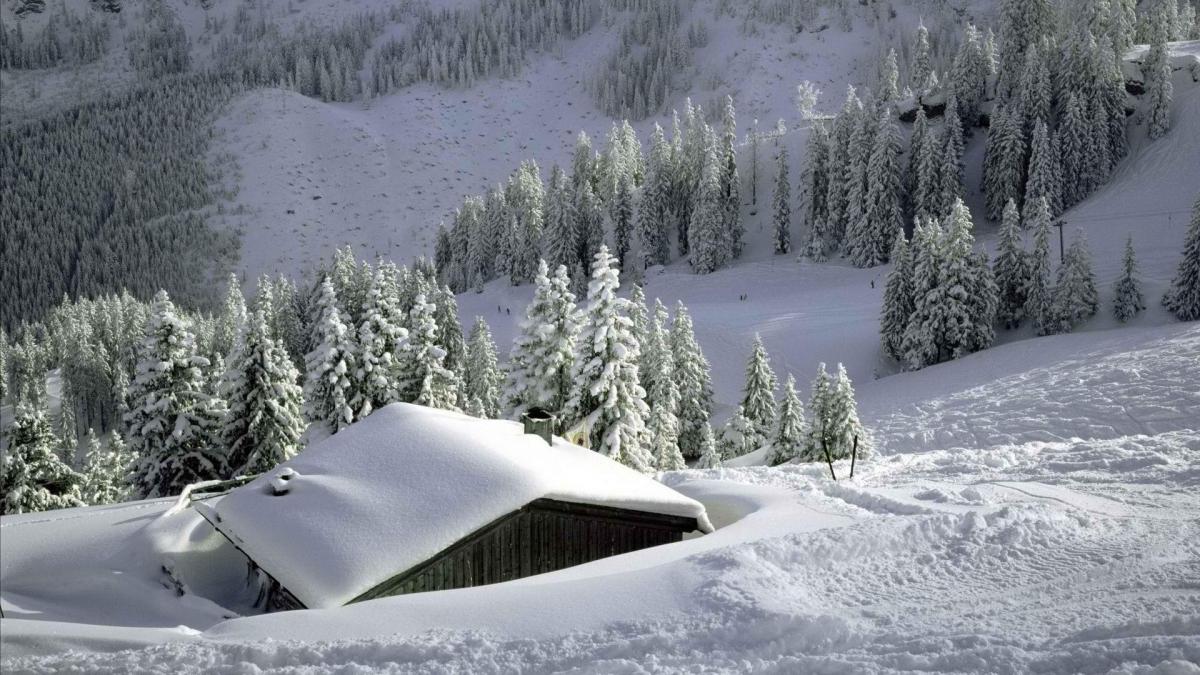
column 981, row 549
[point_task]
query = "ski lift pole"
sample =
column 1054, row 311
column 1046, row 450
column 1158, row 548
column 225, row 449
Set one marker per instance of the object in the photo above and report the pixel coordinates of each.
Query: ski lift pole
column 1061, row 254
column 853, row 456
column 828, row 458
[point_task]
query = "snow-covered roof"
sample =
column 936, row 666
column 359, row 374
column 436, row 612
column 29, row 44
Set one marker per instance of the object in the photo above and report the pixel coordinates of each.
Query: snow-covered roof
column 402, row 485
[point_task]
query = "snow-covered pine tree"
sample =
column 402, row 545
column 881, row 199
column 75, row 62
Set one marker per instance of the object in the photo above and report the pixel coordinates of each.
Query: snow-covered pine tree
column 916, row 138
column 730, row 182
column 883, row 211
column 639, row 314
column 1039, row 295
column 654, row 205
column 709, row 243
column 589, row 227
column 449, row 330
column 841, row 425
column 693, row 376
column 1157, row 70
column 897, row 299
column 664, row 422
column 172, row 426
column 526, row 202
column 965, row 324
column 560, row 240
column 1035, row 96
column 264, row 424
column 1075, row 135
column 814, row 190
column 424, row 378
column 837, row 199
column 1183, row 298
column 1127, row 294
column 622, row 211
column 781, row 208
column 1044, row 174
column 740, row 436
column 788, row 441
column 106, row 471
column 482, row 379
column 542, row 359
column 32, row 478
column 657, row 358
column 969, row 77
column 951, row 170
column 1004, row 164
column 921, row 66
column 1022, row 23
column 329, row 367
column 921, row 344
column 709, row 456
column 231, row 318
column 820, row 403
column 380, row 341
column 1075, row 297
column 758, row 401
column 927, row 177
column 1011, row 269
column 888, row 90
column 607, row 395
column 857, row 227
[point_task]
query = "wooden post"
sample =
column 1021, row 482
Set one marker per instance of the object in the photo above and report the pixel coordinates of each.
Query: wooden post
column 828, row 458
column 853, row 456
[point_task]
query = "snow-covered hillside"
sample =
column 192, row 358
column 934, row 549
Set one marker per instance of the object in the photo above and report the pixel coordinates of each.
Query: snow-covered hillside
column 1032, row 546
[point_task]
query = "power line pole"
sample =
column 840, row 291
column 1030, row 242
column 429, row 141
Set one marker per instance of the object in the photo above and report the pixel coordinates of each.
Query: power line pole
column 1061, row 255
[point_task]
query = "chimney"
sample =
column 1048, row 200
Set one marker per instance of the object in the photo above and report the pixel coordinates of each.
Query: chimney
column 539, row 422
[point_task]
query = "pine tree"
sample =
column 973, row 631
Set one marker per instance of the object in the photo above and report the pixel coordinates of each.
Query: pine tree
column 1157, row 70
column 1004, row 164
column 951, row 170
column 969, row 77
column 840, row 169
column 820, row 429
column 882, row 213
column 424, row 378
column 695, row 382
column 173, row 424
column 709, row 457
column 1075, row 297
column 740, row 436
column 921, row 67
column 1183, row 298
column 231, row 318
column 329, row 367
column 968, row 307
column 654, row 206
column 841, row 425
column 708, row 241
column 657, row 359
column 264, row 425
column 1044, row 174
column 781, row 208
column 561, row 246
column 1022, row 23
column 730, row 187
column 607, row 394
column 1075, row 133
column 542, row 359
column 664, row 422
column 380, row 341
column 889, row 79
column 897, row 299
column 449, row 334
column 815, row 189
column 622, row 210
column 758, row 401
column 857, row 227
column 482, row 379
column 31, row 477
column 105, row 471
column 788, row 441
column 1040, row 294
column 1011, row 269
column 927, row 176
column 921, row 344
column 1127, row 296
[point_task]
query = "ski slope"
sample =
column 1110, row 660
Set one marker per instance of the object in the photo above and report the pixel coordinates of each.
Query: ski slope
column 1005, row 548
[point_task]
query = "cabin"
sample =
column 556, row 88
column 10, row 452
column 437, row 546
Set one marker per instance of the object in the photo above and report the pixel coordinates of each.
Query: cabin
column 414, row 499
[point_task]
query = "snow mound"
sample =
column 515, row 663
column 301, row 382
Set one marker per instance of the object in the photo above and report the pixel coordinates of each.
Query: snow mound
column 405, row 483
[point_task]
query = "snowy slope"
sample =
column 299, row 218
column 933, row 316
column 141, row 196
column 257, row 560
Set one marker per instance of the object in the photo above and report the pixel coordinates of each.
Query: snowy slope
column 993, row 550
